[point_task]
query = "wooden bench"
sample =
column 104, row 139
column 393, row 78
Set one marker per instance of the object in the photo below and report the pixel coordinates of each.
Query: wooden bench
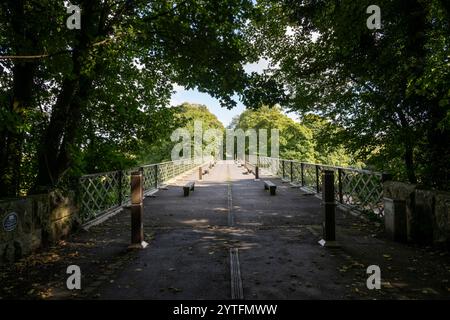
column 268, row 185
column 188, row 187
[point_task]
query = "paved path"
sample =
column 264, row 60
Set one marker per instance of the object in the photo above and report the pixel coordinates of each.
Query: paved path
column 231, row 239
column 274, row 238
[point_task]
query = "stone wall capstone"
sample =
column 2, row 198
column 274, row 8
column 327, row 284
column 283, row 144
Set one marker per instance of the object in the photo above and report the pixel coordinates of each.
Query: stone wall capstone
column 427, row 212
column 405, row 192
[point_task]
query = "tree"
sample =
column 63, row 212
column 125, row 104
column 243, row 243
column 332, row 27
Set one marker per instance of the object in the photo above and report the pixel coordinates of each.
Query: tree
column 295, row 139
column 387, row 88
column 305, row 141
column 70, row 91
column 182, row 116
column 328, row 149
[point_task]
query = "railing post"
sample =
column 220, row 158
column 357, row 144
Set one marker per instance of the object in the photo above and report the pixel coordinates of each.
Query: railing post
column 292, row 172
column 317, row 179
column 257, row 168
column 156, row 176
column 302, row 171
column 120, row 187
column 329, row 207
column 341, row 193
column 141, row 170
column 137, row 211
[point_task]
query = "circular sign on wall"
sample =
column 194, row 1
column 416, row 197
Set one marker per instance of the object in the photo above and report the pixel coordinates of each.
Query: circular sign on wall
column 10, row 222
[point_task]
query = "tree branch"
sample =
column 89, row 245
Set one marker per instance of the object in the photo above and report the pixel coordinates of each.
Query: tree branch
column 99, row 43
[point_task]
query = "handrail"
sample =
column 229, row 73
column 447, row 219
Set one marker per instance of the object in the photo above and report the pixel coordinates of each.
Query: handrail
column 102, row 192
column 326, row 165
column 360, row 189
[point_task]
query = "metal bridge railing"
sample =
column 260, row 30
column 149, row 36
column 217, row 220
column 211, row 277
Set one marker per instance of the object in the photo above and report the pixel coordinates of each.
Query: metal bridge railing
column 103, row 192
column 362, row 190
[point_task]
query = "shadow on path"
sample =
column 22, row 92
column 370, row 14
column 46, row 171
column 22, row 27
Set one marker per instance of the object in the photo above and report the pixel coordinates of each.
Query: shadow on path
column 189, row 253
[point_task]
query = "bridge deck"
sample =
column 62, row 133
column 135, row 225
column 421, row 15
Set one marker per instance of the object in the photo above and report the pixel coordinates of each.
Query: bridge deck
column 276, row 237
column 231, row 234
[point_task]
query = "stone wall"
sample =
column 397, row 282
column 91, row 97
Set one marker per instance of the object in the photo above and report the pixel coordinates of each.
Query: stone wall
column 39, row 220
column 427, row 212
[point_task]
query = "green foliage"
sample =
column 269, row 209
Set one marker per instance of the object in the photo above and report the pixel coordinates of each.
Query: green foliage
column 182, row 116
column 387, row 89
column 305, row 141
column 295, row 139
column 328, row 149
column 98, row 95
column 95, row 99
column 189, row 113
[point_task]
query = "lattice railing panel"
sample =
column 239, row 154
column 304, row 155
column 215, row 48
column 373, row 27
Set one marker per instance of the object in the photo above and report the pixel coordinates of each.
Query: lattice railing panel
column 150, row 176
column 98, row 193
column 295, row 174
column 289, row 174
column 359, row 189
column 270, row 164
column 283, row 169
column 102, row 192
column 164, row 172
column 364, row 191
column 310, row 177
column 126, row 182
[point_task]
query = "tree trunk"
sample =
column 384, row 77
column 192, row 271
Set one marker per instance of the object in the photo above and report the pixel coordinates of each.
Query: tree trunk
column 438, row 142
column 409, row 164
column 52, row 139
column 12, row 138
column 74, row 120
column 21, row 99
column 54, row 154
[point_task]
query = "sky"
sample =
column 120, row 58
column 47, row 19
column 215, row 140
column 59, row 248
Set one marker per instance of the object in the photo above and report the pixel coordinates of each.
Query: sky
column 194, row 96
column 223, row 114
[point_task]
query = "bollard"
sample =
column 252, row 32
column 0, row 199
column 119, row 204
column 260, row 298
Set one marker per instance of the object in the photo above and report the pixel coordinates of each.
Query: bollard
column 256, row 173
column 395, row 221
column 329, row 208
column 200, row 173
column 137, row 211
